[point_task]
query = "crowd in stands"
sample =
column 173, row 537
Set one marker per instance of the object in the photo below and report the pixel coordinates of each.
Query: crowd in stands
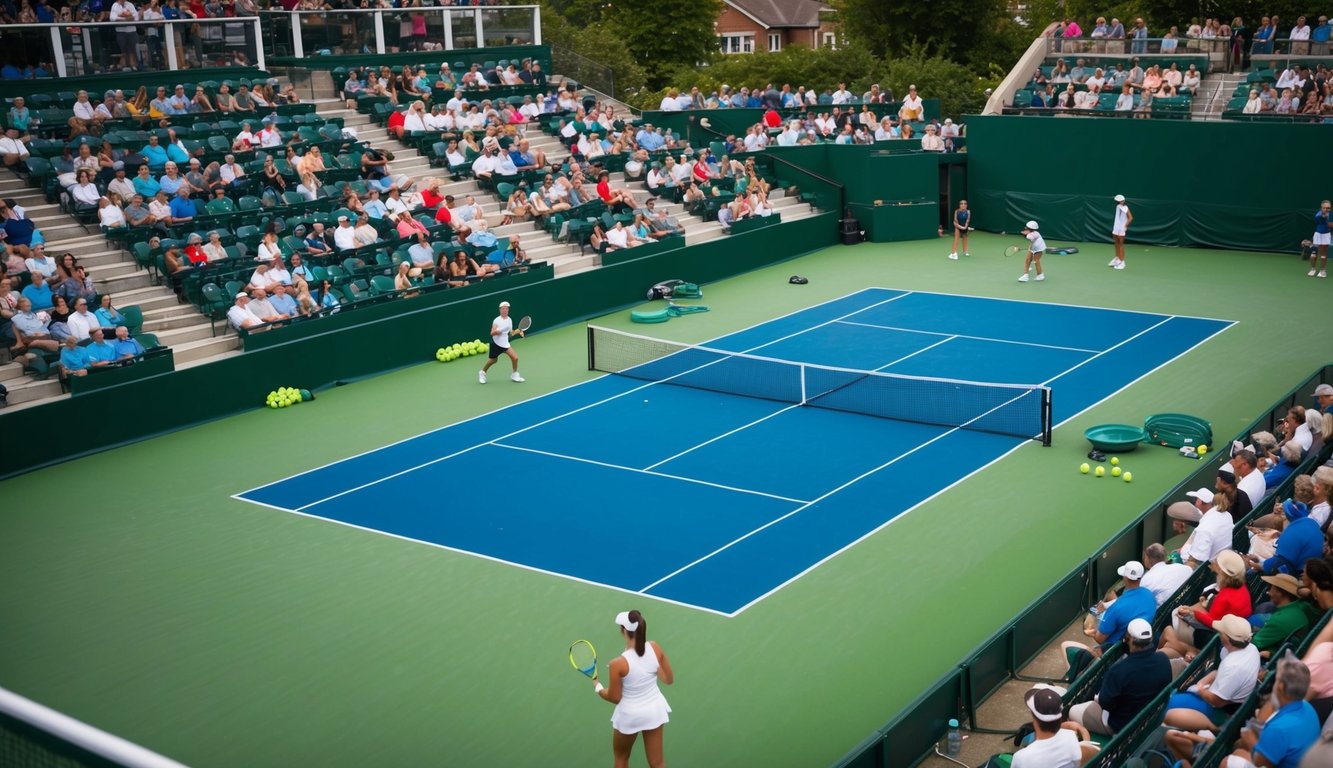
column 1241, row 41
column 1263, row 602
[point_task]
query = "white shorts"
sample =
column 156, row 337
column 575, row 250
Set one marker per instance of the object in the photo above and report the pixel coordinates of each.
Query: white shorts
column 1118, row 232
column 1320, row 238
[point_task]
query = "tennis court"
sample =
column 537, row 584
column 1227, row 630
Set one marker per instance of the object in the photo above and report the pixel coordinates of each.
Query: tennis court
column 732, row 487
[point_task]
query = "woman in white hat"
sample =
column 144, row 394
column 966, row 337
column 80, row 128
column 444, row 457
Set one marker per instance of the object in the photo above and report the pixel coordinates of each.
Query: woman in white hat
column 1119, row 226
column 640, row 705
column 1036, row 247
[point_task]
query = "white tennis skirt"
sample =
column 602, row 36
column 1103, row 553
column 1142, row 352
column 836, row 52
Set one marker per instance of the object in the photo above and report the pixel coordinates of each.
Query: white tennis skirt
column 1320, row 238
column 632, row 717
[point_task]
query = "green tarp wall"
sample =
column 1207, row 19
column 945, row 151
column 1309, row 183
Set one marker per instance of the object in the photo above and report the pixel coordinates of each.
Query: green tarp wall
column 1184, row 179
column 116, row 415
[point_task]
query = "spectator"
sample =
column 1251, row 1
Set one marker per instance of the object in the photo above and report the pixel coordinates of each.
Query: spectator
column 107, row 315
column 240, row 315
column 1288, row 458
column 1286, row 726
column 1207, row 704
column 262, row 308
column 282, row 302
column 1190, row 623
column 75, row 360
column 12, row 149
column 38, row 292
column 1162, row 578
column 1056, row 740
column 1129, row 685
column 39, row 262
column 1248, row 480
column 126, row 347
column 1300, row 540
column 421, row 254
column 31, row 331
column 1290, row 614
column 77, row 287
column 100, row 351
column 1140, row 37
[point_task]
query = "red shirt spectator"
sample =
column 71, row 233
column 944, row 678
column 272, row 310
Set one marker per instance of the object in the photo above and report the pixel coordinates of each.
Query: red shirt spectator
column 430, row 198
column 772, row 119
column 701, row 171
column 396, row 119
column 1234, row 600
column 196, row 254
column 443, row 215
column 604, row 191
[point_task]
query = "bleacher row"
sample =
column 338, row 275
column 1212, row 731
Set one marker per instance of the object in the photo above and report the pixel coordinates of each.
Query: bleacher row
column 1260, row 74
column 1170, row 107
column 1140, row 738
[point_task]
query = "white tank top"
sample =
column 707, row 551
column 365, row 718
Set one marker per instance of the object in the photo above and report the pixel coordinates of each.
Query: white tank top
column 640, row 682
column 1121, row 217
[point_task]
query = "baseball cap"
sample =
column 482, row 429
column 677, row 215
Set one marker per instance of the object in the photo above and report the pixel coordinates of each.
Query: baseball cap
column 1234, row 627
column 1227, row 475
column 1133, row 570
column 1139, row 629
column 1044, row 703
column 1120, row 198
column 1230, row 563
column 1285, row 582
column 504, row 303
column 1203, row 494
column 242, row 295
column 342, row 218
column 1185, row 511
column 1323, row 389
column 1030, row 225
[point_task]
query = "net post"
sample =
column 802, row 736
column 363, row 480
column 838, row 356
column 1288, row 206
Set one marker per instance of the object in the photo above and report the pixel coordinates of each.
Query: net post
column 1046, row 417
column 592, row 355
column 804, row 397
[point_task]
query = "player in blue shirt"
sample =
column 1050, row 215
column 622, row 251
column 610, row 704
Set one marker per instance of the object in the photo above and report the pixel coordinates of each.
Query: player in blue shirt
column 961, row 220
column 1319, row 256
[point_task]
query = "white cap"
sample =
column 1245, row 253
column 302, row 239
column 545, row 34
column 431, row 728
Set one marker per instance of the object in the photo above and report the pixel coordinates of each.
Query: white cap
column 1203, row 494
column 1139, row 629
column 504, row 303
column 242, row 295
column 1133, row 570
column 622, row 620
column 1030, row 225
column 1120, row 198
column 1323, row 389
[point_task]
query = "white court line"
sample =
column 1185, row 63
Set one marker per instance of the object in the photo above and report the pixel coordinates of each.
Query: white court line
column 489, row 558
column 241, row 495
column 966, row 336
column 1056, row 304
column 1154, row 326
column 580, row 409
column 891, row 363
column 979, row 469
column 624, row 468
column 895, row 460
column 719, row 437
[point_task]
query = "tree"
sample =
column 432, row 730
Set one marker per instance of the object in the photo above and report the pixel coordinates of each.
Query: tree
column 666, row 33
column 952, row 28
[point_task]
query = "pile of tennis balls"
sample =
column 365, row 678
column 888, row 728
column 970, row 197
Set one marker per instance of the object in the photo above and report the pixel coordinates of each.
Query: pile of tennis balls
column 285, row 396
column 1116, row 471
column 461, row 349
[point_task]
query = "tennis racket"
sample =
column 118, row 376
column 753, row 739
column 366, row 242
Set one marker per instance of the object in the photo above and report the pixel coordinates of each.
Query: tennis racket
column 583, row 657
column 523, row 325
column 1013, row 250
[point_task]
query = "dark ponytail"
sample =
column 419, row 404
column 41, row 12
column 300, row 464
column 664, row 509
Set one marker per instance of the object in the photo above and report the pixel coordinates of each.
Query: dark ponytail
column 640, row 634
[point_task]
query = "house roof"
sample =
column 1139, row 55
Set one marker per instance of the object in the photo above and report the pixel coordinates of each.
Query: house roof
column 781, row 13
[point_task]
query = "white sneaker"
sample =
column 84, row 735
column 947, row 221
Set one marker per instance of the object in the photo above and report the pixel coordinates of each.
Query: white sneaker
column 1120, row 265
column 1323, row 273
column 1310, row 273
column 1023, row 278
column 953, row 256
column 1041, row 277
column 1113, row 262
column 481, row 376
column 965, row 253
column 515, row 376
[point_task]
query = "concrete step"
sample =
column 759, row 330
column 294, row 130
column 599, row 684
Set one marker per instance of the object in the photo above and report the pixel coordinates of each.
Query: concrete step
column 174, row 337
column 28, row 390
column 120, row 283
column 170, row 318
column 205, row 348
column 147, row 298
column 10, row 372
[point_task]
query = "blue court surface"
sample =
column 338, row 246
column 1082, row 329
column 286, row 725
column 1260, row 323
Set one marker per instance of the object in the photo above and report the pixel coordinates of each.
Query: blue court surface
column 730, row 497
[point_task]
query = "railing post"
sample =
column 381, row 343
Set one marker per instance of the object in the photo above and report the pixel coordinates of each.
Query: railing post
column 298, row 45
column 476, row 19
column 259, row 44
column 58, row 51
column 537, row 26
column 449, row 33
column 379, row 32
column 172, row 63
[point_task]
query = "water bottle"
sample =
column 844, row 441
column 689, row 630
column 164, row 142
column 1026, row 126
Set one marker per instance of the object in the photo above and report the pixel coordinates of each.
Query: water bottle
column 953, row 740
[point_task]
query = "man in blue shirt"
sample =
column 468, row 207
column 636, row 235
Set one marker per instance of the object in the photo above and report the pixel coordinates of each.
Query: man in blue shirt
column 126, row 346
column 283, row 301
column 100, row 351
column 1135, row 602
column 1129, row 685
column 154, row 154
column 182, row 207
column 1282, row 740
column 38, row 292
column 75, row 359
column 374, row 207
column 649, row 139
column 1300, row 540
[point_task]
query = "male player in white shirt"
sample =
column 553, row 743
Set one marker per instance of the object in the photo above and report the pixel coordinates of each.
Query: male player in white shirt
column 1036, row 247
column 1123, row 218
column 500, row 329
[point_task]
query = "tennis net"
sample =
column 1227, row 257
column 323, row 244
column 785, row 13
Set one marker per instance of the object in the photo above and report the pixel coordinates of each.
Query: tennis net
column 1007, row 409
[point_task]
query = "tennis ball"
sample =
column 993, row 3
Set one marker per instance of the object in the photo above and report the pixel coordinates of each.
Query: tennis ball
column 273, row 403
column 1100, row 471
column 1115, row 461
column 1084, row 468
column 1129, row 477
column 478, row 342
column 1203, row 449
column 1115, row 471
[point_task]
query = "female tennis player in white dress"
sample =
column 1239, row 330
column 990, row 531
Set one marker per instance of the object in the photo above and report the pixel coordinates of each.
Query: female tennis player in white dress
column 640, row 705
